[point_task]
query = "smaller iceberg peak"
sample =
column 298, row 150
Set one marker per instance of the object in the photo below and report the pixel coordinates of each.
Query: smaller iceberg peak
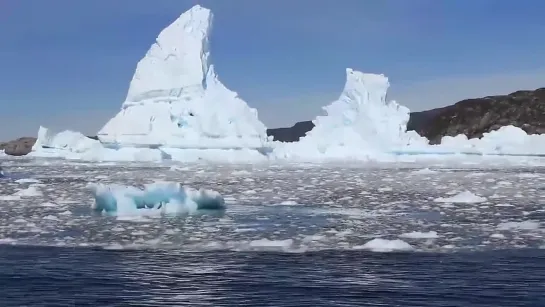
column 373, row 88
column 361, row 123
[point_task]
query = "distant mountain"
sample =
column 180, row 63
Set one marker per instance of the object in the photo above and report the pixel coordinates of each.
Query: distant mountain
column 472, row 117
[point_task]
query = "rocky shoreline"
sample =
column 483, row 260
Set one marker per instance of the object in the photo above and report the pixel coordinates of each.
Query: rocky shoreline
column 472, row 117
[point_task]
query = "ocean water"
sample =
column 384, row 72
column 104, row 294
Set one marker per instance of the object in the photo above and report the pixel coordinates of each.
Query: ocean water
column 53, row 276
column 467, row 232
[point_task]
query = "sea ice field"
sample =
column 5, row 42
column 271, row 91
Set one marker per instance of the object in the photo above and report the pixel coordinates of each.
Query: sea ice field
column 459, row 204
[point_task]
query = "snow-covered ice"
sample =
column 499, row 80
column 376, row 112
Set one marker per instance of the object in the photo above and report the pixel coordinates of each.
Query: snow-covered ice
column 284, row 207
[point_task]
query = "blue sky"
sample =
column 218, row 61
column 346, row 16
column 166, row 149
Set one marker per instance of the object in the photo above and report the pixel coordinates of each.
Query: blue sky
column 67, row 64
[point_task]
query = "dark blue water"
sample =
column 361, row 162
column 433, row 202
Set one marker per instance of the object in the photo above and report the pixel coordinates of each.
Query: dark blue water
column 44, row 276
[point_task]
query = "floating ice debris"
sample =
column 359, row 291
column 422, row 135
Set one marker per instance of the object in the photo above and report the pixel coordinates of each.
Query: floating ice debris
column 524, row 225
column 384, row 246
column 463, row 197
column 27, row 180
column 424, row 171
column 31, row 191
column 155, row 198
column 420, row 235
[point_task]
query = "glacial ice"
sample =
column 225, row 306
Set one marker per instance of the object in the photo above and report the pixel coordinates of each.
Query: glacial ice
column 67, row 140
column 362, row 123
column 177, row 109
column 175, row 98
column 155, row 199
column 508, row 140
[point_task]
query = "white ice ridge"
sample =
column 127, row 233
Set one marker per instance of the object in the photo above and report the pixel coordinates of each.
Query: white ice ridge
column 360, row 124
column 176, row 100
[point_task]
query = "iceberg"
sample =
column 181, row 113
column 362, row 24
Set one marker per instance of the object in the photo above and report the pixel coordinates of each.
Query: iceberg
column 176, row 109
column 360, row 124
column 67, row 140
column 76, row 146
column 363, row 125
column 155, row 199
column 175, row 98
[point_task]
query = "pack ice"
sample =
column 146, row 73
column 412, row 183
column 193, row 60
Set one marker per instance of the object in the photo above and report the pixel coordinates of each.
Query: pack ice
column 155, row 199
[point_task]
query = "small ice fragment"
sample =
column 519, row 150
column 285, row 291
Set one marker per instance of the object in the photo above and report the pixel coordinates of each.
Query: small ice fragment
column 27, row 180
column 463, row 197
column 420, row 235
column 424, row 171
column 289, row 203
column 524, row 225
column 384, row 246
column 271, row 243
column 497, row 236
column 31, row 191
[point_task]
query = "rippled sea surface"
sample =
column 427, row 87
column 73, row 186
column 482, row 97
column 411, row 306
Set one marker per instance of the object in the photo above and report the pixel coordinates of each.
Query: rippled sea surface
column 47, row 276
column 457, row 233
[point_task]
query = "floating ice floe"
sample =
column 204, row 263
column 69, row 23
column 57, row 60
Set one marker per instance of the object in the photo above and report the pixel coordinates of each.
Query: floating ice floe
column 463, row 197
column 384, row 245
column 420, row 235
column 155, row 199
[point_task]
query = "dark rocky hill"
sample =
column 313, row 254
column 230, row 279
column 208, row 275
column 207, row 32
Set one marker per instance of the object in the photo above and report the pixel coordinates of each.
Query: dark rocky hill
column 472, row 117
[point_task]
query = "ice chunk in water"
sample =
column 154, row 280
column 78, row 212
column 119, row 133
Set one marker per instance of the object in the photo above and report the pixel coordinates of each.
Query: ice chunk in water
column 159, row 198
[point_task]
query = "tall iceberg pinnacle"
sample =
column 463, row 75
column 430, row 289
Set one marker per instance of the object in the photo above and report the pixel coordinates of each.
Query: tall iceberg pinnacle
column 175, row 98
